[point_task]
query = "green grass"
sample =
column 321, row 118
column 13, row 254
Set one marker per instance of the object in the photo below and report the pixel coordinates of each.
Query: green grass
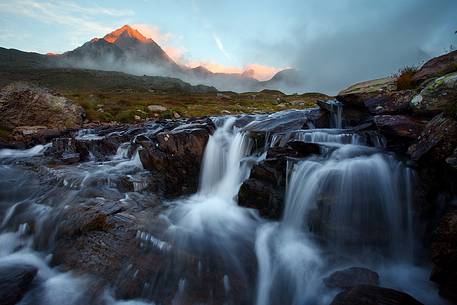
column 122, row 106
column 114, row 96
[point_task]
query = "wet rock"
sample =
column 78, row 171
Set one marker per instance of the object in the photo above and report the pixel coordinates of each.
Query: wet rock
column 436, row 67
column 444, row 255
column 265, row 188
column 351, row 277
column 278, row 122
column 70, row 158
column 452, row 159
column 15, row 281
column 132, row 252
column 373, row 295
column 438, row 96
column 399, row 126
column 176, row 158
column 437, row 141
column 24, row 104
column 99, row 148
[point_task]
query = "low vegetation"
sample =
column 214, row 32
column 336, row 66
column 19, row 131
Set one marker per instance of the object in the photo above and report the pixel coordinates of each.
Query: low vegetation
column 113, row 96
column 405, row 78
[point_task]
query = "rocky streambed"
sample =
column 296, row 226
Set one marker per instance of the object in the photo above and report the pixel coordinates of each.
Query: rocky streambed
column 349, row 203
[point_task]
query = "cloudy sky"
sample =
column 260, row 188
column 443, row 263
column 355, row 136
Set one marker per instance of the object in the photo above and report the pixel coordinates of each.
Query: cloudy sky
column 333, row 42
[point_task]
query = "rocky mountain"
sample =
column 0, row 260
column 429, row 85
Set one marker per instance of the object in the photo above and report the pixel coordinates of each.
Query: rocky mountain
column 127, row 50
column 122, row 46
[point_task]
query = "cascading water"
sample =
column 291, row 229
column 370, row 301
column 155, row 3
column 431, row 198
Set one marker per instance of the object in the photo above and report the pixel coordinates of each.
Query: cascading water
column 348, row 206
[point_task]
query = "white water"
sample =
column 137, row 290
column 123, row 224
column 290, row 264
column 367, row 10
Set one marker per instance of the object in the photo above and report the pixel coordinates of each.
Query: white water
column 23, row 153
column 365, row 190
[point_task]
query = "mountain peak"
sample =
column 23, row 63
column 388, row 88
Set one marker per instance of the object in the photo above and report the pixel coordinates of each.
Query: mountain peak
column 125, row 31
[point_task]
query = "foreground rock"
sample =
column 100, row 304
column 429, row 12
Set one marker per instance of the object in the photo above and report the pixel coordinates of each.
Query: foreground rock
column 444, row 255
column 130, row 250
column 23, row 104
column 15, row 281
column 175, row 157
column 265, row 188
column 373, row 295
column 437, row 141
column 351, row 277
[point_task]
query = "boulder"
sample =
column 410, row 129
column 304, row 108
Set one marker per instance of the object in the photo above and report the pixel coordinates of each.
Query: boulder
column 24, row 104
column 437, row 141
column 438, row 96
column 351, row 277
column 373, row 295
column 15, row 281
column 157, row 108
column 175, row 158
column 265, row 188
column 356, row 95
column 436, row 67
column 444, row 255
column 399, row 126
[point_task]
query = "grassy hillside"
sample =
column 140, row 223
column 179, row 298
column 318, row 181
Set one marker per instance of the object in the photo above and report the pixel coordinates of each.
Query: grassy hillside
column 114, row 96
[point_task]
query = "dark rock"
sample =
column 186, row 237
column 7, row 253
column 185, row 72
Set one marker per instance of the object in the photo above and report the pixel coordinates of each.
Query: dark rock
column 70, row 158
column 176, row 157
column 265, row 188
column 304, row 149
column 373, row 295
column 399, row 126
column 278, row 123
column 132, row 252
column 100, row 148
column 15, row 281
column 444, row 255
column 396, row 102
column 438, row 96
column 351, row 277
column 452, row 159
column 437, row 141
column 436, row 67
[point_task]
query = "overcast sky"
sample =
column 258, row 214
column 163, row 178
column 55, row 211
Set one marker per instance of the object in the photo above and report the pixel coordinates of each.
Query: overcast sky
column 333, row 42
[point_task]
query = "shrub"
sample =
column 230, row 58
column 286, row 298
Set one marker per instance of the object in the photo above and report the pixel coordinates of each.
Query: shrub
column 405, row 78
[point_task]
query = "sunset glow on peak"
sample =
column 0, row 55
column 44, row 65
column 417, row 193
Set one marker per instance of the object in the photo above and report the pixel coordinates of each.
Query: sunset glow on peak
column 125, row 30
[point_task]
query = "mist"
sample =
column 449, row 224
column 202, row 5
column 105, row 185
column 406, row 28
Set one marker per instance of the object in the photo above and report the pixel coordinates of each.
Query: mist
column 335, row 46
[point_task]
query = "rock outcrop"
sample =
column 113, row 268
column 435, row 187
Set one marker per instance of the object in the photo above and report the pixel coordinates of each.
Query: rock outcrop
column 265, row 188
column 348, row 278
column 436, row 67
column 440, row 95
column 23, row 104
column 15, row 281
column 175, row 157
column 33, row 115
column 373, row 295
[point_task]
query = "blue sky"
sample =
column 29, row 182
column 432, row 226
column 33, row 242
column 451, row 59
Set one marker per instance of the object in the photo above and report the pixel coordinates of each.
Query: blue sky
column 335, row 41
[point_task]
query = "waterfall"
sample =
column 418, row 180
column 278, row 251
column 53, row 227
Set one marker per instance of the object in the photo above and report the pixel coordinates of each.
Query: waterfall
column 354, row 196
column 222, row 169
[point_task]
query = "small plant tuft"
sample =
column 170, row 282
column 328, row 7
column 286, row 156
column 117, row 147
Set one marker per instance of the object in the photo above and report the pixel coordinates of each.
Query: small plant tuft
column 405, row 78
